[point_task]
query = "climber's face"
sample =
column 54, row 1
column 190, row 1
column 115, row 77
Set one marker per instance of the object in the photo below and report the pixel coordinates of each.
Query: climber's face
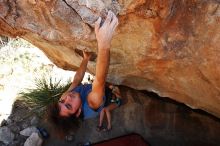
column 70, row 103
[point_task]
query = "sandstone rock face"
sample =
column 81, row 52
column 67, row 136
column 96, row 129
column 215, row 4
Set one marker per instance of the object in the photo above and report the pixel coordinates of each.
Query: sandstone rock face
column 168, row 47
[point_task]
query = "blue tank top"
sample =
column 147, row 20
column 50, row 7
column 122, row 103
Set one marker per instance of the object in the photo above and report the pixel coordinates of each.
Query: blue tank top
column 88, row 112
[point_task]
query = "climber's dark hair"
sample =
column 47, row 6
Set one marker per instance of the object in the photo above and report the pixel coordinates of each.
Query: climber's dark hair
column 61, row 125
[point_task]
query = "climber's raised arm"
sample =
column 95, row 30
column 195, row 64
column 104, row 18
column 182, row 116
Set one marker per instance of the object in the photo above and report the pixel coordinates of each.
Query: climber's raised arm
column 104, row 35
column 81, row 71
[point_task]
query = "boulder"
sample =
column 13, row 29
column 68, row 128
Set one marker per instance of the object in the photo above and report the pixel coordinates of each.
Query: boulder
column 28, row 131
column 6, row 136
column 167, row 47
column 14, row 128
column 3, row 123
column 34, row 121
column 33, row 140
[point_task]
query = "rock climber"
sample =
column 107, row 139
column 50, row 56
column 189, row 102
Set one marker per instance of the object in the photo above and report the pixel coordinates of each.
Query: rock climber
column 86, row 101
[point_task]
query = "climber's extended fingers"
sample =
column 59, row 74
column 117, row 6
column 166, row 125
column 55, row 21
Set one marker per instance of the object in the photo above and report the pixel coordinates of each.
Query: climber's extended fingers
column 108, row 18
column 97, row 24
column 114, row 22
column 113, row 29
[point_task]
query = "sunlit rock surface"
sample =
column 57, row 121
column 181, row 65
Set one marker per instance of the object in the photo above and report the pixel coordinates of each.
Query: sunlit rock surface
column 168, row 47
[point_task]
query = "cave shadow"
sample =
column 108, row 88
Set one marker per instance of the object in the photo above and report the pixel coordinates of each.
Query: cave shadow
column 181, row 106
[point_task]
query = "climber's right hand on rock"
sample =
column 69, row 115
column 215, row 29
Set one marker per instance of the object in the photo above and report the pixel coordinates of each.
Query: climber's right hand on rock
column 87, row 55
column 105, row 32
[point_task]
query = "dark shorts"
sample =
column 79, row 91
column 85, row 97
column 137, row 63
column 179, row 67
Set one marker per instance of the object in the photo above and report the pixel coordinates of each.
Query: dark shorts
column 111, row 98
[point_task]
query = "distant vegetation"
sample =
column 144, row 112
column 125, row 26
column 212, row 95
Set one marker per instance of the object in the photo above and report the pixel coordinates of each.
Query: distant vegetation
column 26, row 70
column 13, row 57
column 14, row 42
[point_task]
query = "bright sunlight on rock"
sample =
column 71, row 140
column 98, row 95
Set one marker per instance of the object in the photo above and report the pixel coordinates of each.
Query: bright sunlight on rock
column 165, row 48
